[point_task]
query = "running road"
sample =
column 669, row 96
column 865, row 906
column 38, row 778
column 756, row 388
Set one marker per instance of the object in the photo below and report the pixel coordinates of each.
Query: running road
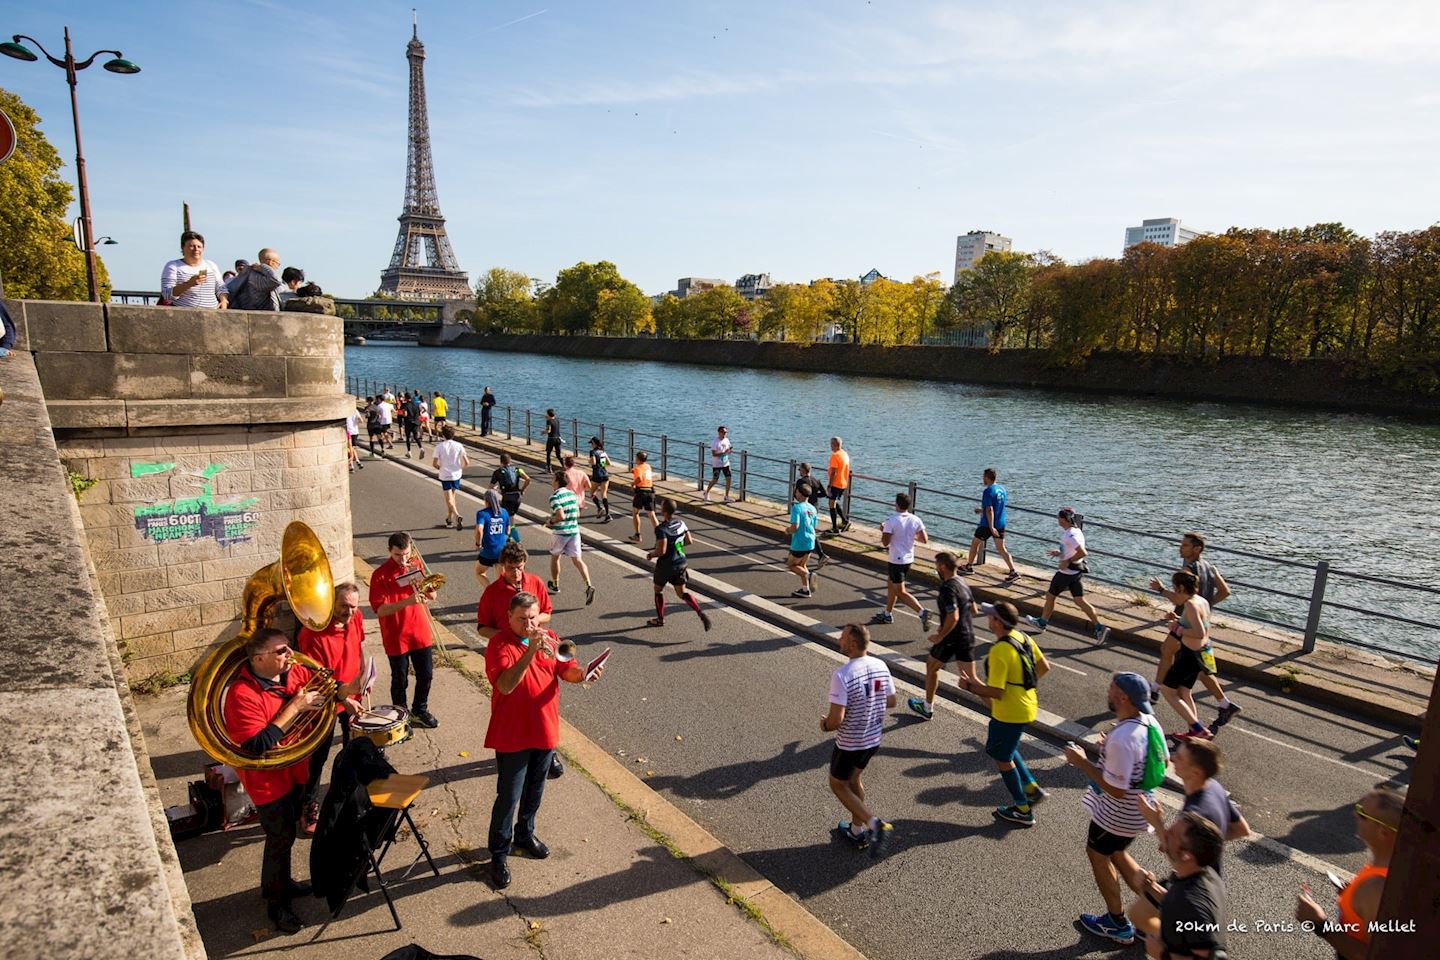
column 725, row 724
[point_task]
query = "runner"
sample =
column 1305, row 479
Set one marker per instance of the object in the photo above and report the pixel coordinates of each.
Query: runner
column 1013, row 670
column 511, row 481
column 1213, row 589
column 411, row 424
column 576, row 481
column 552, row 439
column 1128, row 753
column 492, row 532
column 1069, row 576
column 487, row 407
column 955, row 640
column 1377, row 824
column 719, row 462
column 839, row 483
column 899, row 533
column 450, row 460
column 812, row 490
column 671, row 539
column 600, row 479
column 372, row 424
column 384, row 417
column 423, row 421
column 1192, row 625
column 642, row 479
column 439, row 409
column 861, row 692
column 564, row 524
column 802, row 540
column 352, row 430
column 992, row 524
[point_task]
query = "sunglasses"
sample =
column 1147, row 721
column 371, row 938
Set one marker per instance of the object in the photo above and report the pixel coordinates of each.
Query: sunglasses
column 280, row 651
column 1360, row 812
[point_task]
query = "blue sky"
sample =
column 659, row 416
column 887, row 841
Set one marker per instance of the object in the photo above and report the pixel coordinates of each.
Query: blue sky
column 715, row 139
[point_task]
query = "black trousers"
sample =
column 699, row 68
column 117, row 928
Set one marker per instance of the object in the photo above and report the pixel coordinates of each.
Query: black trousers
column 278, row 820
column 519, row 784
column 412, row 433
column 321, row 755
column 553, row 443
column 423, row 661
column 484, row 421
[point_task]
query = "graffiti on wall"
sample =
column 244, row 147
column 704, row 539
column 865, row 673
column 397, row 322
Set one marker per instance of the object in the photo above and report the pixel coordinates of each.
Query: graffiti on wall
column 198, row 517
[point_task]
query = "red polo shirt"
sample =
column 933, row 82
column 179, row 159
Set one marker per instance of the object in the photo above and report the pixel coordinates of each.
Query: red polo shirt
column 493, row 610
column 406, row 630
column 338, row 647
column 250, row 705
column 528, row 717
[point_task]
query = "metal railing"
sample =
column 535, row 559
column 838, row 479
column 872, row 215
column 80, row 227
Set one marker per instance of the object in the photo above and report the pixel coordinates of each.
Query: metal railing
column 1304, row 597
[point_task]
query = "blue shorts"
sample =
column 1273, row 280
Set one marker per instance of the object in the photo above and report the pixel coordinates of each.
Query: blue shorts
column 1003, row 739
column 449, row 484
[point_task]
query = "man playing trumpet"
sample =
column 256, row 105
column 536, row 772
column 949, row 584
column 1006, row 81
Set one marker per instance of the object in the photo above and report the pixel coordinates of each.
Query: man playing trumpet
column 268, row 698
column 405, row 629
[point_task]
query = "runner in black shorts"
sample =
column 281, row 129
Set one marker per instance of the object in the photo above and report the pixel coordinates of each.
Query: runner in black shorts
column 552, row 438
column 812, row 490
column 843, row 763
column 955, row 640
column 671, row 539
column 511, row 481
column 600, row 477
column 642, row 481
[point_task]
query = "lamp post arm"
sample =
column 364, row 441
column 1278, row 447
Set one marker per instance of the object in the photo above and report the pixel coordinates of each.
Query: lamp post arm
column 91, row 59
column 20, row 36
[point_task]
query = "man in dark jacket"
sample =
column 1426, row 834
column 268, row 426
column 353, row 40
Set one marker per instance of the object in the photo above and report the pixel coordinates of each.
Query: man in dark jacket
column 258, row 286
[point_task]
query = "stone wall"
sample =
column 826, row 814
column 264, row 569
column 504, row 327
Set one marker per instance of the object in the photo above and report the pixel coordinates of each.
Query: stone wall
column 1314, row 383
column 205, row 433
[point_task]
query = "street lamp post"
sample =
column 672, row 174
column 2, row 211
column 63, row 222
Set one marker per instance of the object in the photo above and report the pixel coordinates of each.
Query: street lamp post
column 118, row 64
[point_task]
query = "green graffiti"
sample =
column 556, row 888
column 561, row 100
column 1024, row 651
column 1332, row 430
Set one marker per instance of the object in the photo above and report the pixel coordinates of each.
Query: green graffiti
column 192, row 518
column 138, row 470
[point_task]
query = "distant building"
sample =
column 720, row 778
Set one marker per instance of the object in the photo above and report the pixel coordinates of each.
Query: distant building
column 1165, row 231
column 753, row 286
column 871, row 277
column 685, row 286
column 974, row 245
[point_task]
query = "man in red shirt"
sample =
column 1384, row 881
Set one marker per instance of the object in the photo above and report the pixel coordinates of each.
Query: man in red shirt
column 264, row 702
column 338, row 647
column 405, row 629
column 525, row 674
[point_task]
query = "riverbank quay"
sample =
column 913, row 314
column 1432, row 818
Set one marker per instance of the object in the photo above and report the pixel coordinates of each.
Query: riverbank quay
column 628, row 875
column 1390, row 690
column 1314, row 383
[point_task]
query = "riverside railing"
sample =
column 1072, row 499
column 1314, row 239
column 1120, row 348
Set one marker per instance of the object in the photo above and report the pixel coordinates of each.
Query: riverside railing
column 1313, row 598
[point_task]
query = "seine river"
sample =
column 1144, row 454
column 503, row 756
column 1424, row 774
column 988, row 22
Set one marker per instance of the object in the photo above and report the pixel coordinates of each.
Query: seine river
column 1300, row 486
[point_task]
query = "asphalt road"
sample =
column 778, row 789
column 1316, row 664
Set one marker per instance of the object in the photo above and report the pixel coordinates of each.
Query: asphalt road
column 728, row 723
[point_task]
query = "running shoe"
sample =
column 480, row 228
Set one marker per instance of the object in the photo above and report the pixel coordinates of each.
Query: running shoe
column 878, row 835
column 845, row 527
column 1102, row 926
column 920, row 707
column 859, row 840
column 1183, row 735
column 965, row 569
column 824, row 561
column 633, row 538
column 1015, row 815
column 1227, row 713
column 882, row 617
column 1036, row 622
column 705, row 620
column 1012, row 576
column 925, row 619
column 1037, row 795
column 1102, row 633
column 1412, row 742
column 802, row 592
column 552, row 585
column 706, row 497
column 589, row 594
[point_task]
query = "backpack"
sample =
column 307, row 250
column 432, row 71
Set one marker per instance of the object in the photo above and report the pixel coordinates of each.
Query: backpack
column 509, row 479
column 1157, row 757
column 1027, row 662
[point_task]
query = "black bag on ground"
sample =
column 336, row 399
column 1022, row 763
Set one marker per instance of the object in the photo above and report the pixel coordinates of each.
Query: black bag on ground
column 415, row 952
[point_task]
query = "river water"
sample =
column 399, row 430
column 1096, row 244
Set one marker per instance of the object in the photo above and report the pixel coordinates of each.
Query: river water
column 1300, row 486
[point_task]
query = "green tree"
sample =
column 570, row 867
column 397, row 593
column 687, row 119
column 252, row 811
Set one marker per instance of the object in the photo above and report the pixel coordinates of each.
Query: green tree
column 37, row 258
column 572, row 305
column 716, row 313
column 993, row 293
column 504, row 303
column 623, row 312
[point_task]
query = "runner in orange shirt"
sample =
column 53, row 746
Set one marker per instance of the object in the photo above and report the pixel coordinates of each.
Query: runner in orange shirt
column 839, row 484
column 642, row 478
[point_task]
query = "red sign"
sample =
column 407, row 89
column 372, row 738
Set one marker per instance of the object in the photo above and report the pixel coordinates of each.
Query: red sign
column 7, row 137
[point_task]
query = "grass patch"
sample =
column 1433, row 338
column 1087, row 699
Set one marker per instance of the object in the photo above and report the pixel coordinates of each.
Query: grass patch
column 159, row 680
column 1139, row 600
column 79, row 483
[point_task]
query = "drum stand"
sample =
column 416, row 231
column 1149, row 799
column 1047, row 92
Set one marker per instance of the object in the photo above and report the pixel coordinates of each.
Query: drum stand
column 395, row 795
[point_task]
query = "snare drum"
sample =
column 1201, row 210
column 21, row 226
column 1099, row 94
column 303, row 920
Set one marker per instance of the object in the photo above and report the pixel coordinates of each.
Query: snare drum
column 385, row 726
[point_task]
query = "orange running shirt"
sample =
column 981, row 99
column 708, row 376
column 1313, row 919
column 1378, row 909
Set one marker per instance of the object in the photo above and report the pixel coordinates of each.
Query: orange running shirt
column 840, row 470
column 644, row 477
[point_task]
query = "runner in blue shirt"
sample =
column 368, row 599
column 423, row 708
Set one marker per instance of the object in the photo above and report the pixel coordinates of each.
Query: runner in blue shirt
column 492, row 529
column 802, row 543
column 992, row 524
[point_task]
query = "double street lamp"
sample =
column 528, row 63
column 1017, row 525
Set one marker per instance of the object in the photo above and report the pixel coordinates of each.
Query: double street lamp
column 14, row 48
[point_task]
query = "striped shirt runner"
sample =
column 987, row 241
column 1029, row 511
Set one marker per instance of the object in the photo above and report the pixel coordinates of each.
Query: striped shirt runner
column 565, row 501
column 861, row 686
column 1122, row 763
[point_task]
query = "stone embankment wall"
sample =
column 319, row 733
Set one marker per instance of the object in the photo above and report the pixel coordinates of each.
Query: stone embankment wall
column 1314, row 383
column 205, row 434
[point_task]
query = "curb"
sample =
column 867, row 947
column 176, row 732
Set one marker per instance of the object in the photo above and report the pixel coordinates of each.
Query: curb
column 788, row 921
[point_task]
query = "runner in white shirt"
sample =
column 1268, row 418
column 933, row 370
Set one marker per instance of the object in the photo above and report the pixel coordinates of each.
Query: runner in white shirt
column 385, row 416
column 861, row 692
column 451, row 461
column 719, row 462
column 899, row 533
column 1070, row 574
column 352, row 430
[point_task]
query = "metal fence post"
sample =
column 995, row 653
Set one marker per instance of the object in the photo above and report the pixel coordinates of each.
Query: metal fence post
column 527, row 426
column 509, row 423
column 664, row 457
column 575, row 436
column 1317, row 602
column 793, row 472
column 474, row 424
column 744, row 470
column 631, row 460
column 700, row 466
column 912, row 494
column 602, row 435
column 847, row 500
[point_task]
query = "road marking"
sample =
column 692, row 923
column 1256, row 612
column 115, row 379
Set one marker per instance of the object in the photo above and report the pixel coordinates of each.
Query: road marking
column 1370, row 774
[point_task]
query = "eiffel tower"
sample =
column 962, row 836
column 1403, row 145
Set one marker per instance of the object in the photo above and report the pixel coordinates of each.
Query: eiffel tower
column 423, row 265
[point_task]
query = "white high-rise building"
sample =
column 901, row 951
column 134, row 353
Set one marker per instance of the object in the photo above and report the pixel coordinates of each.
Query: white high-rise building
column 1165, row 231
column 974, row 245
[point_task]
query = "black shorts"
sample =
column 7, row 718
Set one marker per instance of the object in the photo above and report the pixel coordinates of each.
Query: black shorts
column 1067, row 581
column 716, row 471
column 983, row 532
column 666, row 572
column 439, row 419
column 1186, row 668
column 1104, row 842
column 801, row 554
column 510, row 501
column 598, row 477
column 486, row 562
column 953, row 646
column 898, row 571
column 844, row 763
column 836, row 493
column 644, row 500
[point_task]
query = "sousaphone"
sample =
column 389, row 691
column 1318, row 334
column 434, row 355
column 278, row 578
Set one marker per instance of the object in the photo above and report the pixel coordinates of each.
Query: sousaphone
column 302, row 577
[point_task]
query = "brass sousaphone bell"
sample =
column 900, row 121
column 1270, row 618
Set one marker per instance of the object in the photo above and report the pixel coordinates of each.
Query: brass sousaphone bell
column 302, row 577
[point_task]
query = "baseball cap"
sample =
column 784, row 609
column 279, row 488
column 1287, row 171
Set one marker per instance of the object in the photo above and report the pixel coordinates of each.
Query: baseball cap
column 1137, row 688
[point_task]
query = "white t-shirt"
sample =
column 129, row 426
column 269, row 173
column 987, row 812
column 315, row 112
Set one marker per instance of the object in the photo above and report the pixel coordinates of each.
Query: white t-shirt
column 424, row 410
column 384, row 413
column 861, row 686
column 205, row 295
column 352, row 423
column 720, row 452
column 451, row 455
column 1070, row 541
column 1122, row 763
column 902, row 528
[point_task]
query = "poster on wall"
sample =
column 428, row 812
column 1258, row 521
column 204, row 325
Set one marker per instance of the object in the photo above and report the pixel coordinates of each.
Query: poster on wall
column 195, row 518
